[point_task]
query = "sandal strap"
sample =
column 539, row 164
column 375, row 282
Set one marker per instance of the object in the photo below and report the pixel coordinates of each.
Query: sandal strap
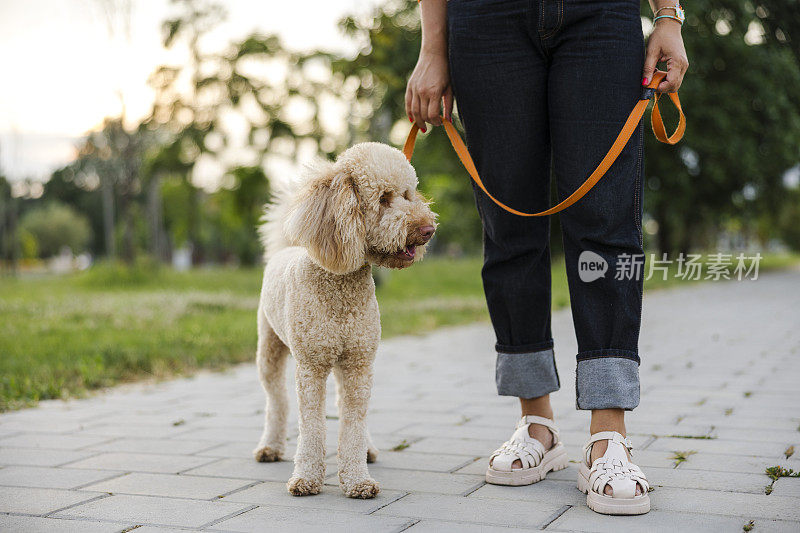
column 612, row 436
column 546, row 422
column 522, row 446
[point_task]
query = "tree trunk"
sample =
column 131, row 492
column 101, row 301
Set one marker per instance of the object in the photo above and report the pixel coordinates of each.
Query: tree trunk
column 128, row 252
column 155, row 217
column 108, row 217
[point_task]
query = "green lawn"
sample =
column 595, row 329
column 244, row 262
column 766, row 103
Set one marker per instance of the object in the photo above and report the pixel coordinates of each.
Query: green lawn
column 60, row 336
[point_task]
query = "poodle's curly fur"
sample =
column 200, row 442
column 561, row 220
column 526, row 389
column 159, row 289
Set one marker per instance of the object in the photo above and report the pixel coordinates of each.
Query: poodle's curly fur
column 321, row 237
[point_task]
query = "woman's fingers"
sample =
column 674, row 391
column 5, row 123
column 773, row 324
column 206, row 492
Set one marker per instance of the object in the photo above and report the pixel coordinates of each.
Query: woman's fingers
column 416, row 112
column 432, row 115
column 409, row 103
column 447, row 101
column 675, row 71
column 650, row 62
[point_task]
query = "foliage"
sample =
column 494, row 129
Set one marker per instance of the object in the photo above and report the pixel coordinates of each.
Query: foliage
column 55, row 226
column 743, row 129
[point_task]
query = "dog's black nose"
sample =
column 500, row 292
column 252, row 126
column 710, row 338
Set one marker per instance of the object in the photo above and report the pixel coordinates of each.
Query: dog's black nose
column 426, row 232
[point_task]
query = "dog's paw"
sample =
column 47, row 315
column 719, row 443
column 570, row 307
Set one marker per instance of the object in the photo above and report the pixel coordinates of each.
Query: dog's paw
column 372, row 455
column 298, row 486
column 365, row 490
column 267, row 455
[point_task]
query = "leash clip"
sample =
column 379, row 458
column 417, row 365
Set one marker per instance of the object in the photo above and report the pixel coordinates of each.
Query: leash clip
column 647, row 93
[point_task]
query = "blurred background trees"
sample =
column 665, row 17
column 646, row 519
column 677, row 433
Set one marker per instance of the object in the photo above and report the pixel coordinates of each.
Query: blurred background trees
column 253, row 109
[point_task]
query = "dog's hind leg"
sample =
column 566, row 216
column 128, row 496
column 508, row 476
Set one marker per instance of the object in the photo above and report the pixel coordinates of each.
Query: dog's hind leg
column 354, row 389
column 372, row 450
column 309, row 461
column 271, row 358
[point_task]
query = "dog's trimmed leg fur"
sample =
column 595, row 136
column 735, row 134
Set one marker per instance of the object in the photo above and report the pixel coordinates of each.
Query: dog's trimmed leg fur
column 372, row 450
column 271, row 358
column 309, row 460
column 356, row 384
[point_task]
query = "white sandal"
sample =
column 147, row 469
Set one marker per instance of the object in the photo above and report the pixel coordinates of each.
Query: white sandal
column 615, row 470
column 536, row 461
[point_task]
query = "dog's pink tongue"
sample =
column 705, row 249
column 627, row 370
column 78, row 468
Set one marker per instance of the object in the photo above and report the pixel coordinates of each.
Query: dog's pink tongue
column 410, row 251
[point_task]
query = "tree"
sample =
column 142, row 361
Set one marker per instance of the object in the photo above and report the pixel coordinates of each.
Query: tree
column 743, row 131
column 55, row 226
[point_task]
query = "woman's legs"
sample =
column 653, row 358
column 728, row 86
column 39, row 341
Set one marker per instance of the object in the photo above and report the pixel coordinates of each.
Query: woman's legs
column 596, row 58
column 499, row 76
column 596, row 61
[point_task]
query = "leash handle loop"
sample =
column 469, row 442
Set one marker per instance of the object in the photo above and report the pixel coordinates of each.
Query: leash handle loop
column 622, row 139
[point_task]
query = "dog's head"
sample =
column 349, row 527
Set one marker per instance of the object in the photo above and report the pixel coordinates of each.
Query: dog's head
column 364, row 208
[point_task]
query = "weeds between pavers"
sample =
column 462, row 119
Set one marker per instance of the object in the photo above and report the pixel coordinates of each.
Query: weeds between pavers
column 775, row 473
column 680, row 457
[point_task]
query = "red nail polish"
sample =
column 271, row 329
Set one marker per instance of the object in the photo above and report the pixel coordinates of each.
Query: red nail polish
column 410, row 119
column 424, row 129
column 645, row 81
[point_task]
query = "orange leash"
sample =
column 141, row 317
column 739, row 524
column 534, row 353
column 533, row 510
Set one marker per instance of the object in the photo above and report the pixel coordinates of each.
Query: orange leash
column 616, row 148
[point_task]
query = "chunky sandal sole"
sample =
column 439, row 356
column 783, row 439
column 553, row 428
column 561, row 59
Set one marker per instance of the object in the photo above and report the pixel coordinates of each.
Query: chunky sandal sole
column 600, row 503
column 553, row 460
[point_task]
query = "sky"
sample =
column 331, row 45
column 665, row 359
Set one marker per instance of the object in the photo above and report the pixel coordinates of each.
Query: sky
column 63, row 71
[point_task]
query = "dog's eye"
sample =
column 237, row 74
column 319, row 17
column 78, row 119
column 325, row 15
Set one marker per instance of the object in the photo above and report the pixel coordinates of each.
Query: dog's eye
column 407, row 195
column 386, row 198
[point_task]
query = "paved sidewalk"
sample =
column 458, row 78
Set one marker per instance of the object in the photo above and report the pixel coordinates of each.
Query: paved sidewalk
column 719, row 388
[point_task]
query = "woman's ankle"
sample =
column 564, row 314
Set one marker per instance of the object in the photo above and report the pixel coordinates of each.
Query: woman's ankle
column 537, row 406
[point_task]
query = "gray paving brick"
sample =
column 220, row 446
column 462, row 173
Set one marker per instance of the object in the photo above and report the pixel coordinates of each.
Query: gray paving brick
column 419, row 480
column 721, row 446
column 556, row 492
column 39, row 501
column 409, row 460
column 787, row 487
column 455, row 446
column 169, row 485
column 53, row 478
column 247, row 468
column 441, row 526
column 740, row 463
column 162, row 446
column 275, row 518
column 141, row 462
column 110, row 430
column 584, row 519
column 475, row 510
column 153, row 511
column 51, row 441
column 39, row 457
column 748, row 506
column 33, row 524
column 330, row 498
column 707, row 480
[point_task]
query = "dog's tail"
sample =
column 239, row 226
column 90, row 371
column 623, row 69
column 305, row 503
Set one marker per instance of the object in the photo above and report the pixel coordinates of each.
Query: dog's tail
column 271, row 233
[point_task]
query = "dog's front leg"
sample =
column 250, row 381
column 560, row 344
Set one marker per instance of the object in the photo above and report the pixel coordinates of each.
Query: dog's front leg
column 354, row 389
column 309, row 461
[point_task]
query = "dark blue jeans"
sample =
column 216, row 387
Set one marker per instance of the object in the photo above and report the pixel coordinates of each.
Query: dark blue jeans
column 544, row 86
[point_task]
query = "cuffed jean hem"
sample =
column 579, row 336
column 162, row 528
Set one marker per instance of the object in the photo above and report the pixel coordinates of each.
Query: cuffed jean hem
column 607, row 379
column 526, row 375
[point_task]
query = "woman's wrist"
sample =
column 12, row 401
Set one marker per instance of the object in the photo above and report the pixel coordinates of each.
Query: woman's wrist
column 668, row 22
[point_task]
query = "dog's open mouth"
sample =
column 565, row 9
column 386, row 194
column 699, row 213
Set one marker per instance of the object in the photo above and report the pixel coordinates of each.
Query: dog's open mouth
column 407, row 253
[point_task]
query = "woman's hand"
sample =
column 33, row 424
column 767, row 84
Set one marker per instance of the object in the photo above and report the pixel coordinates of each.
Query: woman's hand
column 428, row 88
column 666, row 44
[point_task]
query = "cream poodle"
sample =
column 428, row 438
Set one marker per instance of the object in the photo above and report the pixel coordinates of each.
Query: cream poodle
column 322, row 237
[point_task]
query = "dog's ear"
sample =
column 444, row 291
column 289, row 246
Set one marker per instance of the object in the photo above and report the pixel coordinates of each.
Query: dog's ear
column 326, row 218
